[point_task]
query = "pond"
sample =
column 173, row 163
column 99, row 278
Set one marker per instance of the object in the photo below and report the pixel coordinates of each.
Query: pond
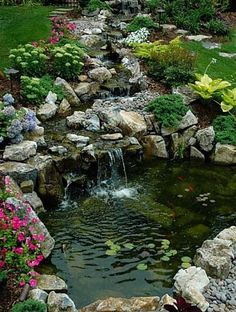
column 128, row 239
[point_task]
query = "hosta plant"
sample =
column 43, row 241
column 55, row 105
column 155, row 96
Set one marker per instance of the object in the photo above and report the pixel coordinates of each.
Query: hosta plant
column 207, row 88
column 228, row 100
column 181, row 306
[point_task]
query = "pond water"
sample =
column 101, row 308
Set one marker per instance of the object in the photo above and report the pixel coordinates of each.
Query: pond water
column 101, row 239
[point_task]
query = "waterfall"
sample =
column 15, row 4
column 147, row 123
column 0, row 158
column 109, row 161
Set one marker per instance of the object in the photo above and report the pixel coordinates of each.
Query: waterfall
column 70, row 177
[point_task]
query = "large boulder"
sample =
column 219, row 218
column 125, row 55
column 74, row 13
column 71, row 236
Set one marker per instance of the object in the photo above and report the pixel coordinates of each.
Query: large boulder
column 155, row 146
column 34, row 201
column 132, row 124
column 19, row 171
column 38, row 294
column 224, row 154
column 205, row 138
column 100, row 74
column 83, row 88
column 51, row 283
column 60, row 303
column 70, row 94
column 49, row 183
column 134, row 304
column 21, row 151
column 88, row 121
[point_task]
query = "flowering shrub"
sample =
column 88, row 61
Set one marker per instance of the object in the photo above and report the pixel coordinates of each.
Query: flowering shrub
column 138, row 36
column 29, row 60
column 35, row 90
column 61, row 27
column 14, row 123
column 67, row 60
column 19, row 248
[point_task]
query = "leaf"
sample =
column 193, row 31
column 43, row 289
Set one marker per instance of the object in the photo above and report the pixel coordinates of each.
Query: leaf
column 165, row 258
column 165, row 241
column 115, row 247
column 129, row 246
column 173, row 251
column 185, row 265
column 109, row 243
column 142, row 267
column 186, row 259
column 151, row 245
column 111, row 252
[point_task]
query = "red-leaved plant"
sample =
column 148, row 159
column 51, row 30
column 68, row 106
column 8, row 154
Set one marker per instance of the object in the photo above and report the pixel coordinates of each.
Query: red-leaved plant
column 20, row 246
column 181, row 306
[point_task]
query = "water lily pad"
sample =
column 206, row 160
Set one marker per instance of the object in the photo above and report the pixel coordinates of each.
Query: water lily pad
column 115, row 247
column 173, row 252
column 185, row 265
column 109, row 243
column 165, row 242
column 186, row 259
column 142, row 266
column 165, row 258
column 129, row 246
column 111, row 252
column 151, row 245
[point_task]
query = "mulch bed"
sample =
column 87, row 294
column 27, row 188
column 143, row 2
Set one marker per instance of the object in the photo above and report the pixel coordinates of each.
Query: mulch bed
column 206, row 112
column 9, row 294
column 5, row 87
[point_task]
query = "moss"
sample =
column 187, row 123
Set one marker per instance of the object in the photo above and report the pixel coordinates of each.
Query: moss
column 225, row 129
column 198, row 232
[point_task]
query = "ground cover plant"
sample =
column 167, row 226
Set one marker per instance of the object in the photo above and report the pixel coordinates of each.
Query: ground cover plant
column 20, row 25
column 140, row 22
column 225, row 129
column 94, row 5
column 30, row 305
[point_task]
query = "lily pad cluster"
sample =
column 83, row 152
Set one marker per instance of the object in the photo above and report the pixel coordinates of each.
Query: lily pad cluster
column 186, row 262
column 168, row 252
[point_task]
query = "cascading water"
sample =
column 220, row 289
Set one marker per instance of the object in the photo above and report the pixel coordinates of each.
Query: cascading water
column 113, row 181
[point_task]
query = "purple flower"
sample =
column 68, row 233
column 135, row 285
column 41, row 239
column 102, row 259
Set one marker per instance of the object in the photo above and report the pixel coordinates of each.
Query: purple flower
column 14, row 129
column 29, row 121
column 8, row 111
column 17, row 139
column 8, row 99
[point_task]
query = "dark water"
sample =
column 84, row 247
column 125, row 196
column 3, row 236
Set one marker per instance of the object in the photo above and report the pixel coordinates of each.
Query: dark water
column 164, row 205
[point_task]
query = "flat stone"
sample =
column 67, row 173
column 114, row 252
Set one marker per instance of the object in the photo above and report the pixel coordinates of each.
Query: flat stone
column 58, row 149
column 211, row 45
column 224, row 154
column 79, row 140
column 198, row 38
column 169, row 27
column 227, row 55
column 21, row 151
column 38, row 294
column 112, row 137
column 51, row 283
column 19, row 171
column 60, row 303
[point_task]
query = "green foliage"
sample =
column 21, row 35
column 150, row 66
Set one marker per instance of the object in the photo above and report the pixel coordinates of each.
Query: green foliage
column 93, row 5
column 217, row 27
column 168, row 109
column 141, row 22
column 30, row 305
column 221, row 5
column 153, row 4
column 142, row 267
column 178, row 75
column 228, row 100
column 3, row 276
column 225, row 129
column 207, row 88
column 35, row 90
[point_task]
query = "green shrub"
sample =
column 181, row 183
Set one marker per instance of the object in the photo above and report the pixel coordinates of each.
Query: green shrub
column 153, row 4
column 30, row 305
column 225, row 129
column 178, row 75
column 217, row 27
column 35, row 90
column 141, row 22
column 93, row 5
column 168, row 109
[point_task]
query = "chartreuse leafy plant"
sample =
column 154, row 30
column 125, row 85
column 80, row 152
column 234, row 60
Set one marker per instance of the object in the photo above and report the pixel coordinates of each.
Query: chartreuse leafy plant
column 168, row 109
column 30, row 305
column 35, row 90
column 228, row 100
column 207, row 88
column 225, row 129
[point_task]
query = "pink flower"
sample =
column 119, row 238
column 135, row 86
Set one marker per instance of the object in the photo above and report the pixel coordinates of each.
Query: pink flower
column 22, row 283
column 33, row 282
column 21, row 237
column 7, row 180
column 32, row 246
column 2, row 263
column 41, row 237
column 18, row 250
column 34, row 44
column 16, row 223
column 35, row 220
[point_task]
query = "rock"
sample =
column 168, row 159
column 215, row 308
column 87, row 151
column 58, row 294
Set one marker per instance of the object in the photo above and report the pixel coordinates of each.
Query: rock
column 134, row 141
column 82, row 88
column 21, row 151
column 190, row 283
column 37, row 228
column 187, row 93
column 227, row 55
column 37, row 135
column 51, row 98
column 168, row 27
column 60, row 303
column 132, row 124
column 229, row 235
column 205, row 138
column 83, row 78
column 70, row 94
column 211, row 45
column 100, row 74
column 112, row 137
column 19, row 171
column 27, row 186
column 34, row 201
column 155, row 146
column 182, row 32
column 188, row 120
column 198, row 38
column 88, row 121
column 38, row 294
column 196, row 154
column 189, row 134
column 64, row 108
column 224, row 154
column 92, row 123
column 90, row 40
column 75, row 121
column 51, row 283
column 49, row 184
column 134, row 304
column 166, row 299
column 47, row 111
column 58, row 149
column 215, row 258
column 88, row 153
column 79, row 140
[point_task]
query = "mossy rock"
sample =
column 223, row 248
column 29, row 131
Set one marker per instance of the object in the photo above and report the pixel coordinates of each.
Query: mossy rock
column 198, row 232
